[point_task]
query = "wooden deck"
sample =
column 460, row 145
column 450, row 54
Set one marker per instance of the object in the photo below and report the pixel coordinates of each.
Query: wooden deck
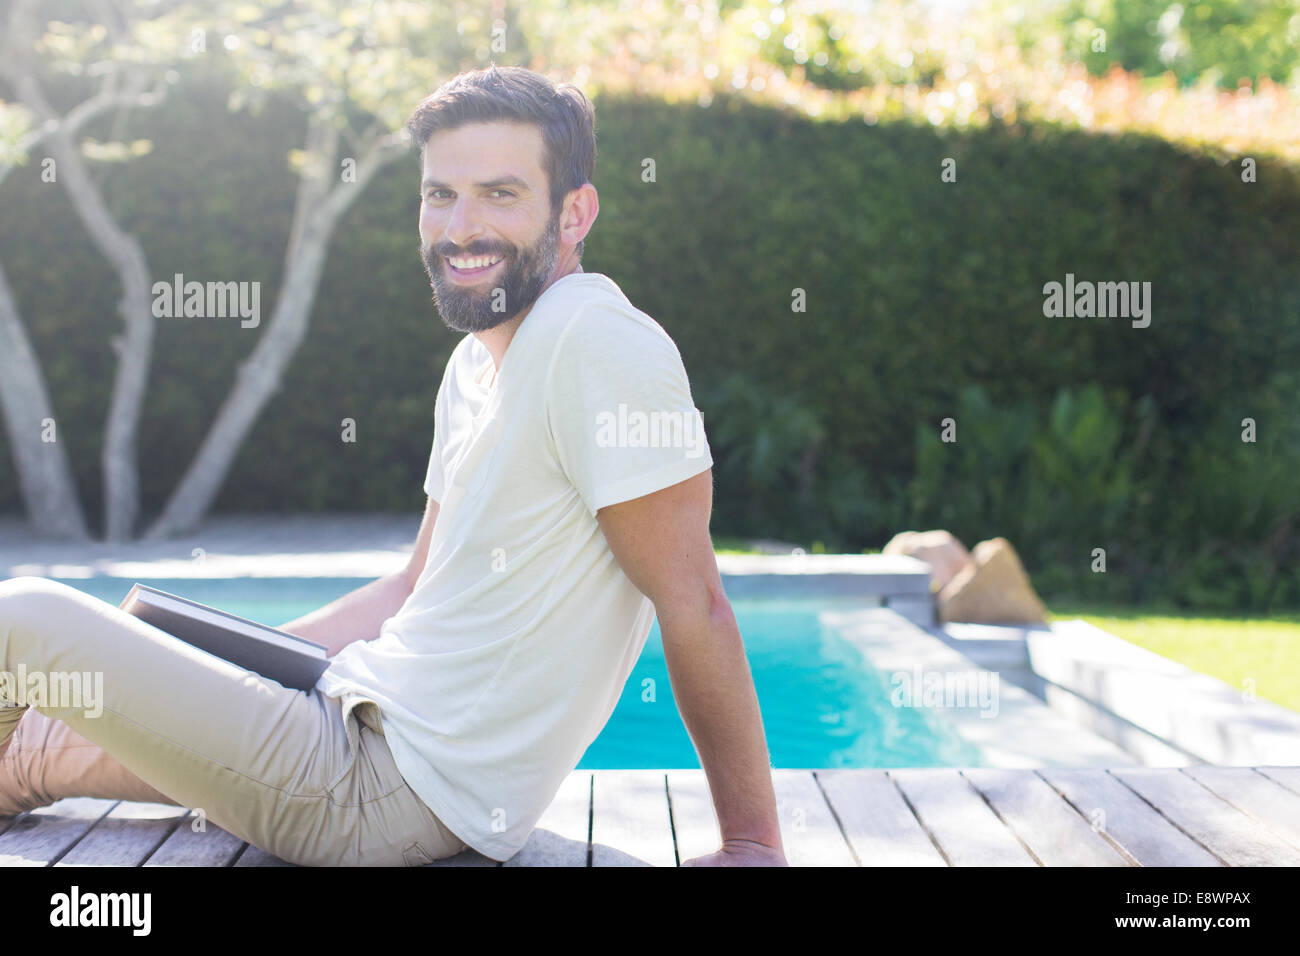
column 1130, row 816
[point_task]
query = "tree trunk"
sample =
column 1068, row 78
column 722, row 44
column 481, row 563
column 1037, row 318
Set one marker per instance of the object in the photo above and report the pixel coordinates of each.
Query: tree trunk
column 44, row 474
column 134, row 349
column 320, row 205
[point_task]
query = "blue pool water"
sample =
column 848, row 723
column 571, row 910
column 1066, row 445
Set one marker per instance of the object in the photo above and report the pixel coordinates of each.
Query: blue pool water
column 822, row 704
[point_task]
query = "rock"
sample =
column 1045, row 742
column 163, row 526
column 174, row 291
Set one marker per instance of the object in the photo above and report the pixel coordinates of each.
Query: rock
column 939, row 549
column 992, row 589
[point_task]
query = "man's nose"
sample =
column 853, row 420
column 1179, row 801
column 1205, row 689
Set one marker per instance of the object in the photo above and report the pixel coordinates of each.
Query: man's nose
column 463, row 226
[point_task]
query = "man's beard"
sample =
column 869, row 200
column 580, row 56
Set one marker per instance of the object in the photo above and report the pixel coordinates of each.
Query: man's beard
column 467, row 308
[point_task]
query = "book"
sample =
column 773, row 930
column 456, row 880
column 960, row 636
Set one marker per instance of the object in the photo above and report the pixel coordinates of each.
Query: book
column 291, row 660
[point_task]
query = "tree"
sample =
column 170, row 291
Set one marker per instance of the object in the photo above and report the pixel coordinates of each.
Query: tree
column 128, row 80
column 355, row 73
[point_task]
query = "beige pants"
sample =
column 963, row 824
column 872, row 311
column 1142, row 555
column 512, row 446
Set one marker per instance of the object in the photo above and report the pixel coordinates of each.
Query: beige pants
column 306, row 777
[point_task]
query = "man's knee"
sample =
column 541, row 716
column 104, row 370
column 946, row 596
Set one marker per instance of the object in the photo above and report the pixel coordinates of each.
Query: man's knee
column 31, row 599
column 12, row 588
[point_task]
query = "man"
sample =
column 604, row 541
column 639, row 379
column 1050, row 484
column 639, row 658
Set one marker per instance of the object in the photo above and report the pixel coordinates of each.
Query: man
column 569, row 491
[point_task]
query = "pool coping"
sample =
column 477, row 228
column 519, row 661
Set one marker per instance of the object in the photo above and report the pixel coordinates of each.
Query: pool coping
column 852, row 573
column 1023, row 733
column 893, row 581
column 899, row 583
column 1103, row 679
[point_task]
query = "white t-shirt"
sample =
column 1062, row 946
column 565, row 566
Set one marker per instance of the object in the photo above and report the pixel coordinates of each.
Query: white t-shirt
column 510, row 654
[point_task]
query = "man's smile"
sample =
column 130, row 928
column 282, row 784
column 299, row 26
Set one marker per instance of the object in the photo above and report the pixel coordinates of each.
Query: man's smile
column 472, row 267
column 477, row 287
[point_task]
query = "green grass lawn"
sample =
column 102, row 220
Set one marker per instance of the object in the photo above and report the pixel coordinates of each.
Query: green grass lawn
column 1264, row 650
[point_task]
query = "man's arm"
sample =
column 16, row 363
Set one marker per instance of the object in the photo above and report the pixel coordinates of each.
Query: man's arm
column 662, row 543
column 358, row 615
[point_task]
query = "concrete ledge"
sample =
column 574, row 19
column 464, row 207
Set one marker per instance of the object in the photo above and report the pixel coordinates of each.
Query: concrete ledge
column 899, row 583
column 227, row 546
column 1151, row 750
column 995, row 646
column 855, row 565
column 1190, row 712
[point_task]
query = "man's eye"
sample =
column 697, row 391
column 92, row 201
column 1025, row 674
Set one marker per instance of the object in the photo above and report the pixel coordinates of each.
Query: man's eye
column 434, row 193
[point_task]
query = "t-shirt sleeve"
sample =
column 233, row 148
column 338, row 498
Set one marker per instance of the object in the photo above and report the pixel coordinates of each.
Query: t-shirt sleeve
column 433, row 477
column 619, row 407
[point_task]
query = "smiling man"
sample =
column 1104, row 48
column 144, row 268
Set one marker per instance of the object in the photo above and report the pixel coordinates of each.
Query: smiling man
column 546, row 553
column 465, row 688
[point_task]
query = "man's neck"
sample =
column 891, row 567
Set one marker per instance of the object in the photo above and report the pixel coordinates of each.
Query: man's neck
column 498, row 339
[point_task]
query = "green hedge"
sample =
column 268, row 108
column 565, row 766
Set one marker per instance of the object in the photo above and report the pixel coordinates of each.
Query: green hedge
column 823, row 422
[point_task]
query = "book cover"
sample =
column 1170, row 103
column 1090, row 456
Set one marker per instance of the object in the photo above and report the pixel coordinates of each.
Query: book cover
column 283, row 657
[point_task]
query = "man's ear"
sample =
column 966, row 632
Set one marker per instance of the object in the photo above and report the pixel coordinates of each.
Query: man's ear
column 581, row 207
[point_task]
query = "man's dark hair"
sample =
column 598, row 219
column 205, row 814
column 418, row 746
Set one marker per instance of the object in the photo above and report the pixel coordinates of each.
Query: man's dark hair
column 514, row 94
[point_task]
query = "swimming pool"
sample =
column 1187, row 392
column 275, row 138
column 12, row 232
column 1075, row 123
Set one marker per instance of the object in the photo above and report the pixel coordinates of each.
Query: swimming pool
column 823, row 705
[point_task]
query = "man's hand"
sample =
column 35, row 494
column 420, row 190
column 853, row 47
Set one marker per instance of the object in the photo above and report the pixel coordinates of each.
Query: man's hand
column 359, row 615
column 741, row 853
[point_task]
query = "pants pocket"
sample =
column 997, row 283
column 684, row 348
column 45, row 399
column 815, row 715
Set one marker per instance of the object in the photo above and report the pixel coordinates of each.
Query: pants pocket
column 416, row 855
column 337, row 711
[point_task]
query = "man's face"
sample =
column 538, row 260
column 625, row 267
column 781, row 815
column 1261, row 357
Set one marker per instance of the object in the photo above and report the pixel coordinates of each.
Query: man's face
column 484, row 194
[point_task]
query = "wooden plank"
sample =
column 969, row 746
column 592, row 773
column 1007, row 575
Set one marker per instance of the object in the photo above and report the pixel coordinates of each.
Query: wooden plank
column 256, row 856
column 466, row 857
column 809, row 831
column 695, row 822
column 877, row 822
column 197, row 842
column 1288, row 777
column 1223, row 829
column 967, row 831
column 1126, row 818
column 1051, row 828
column 127, row 836
column 561, row 835
column 1255, row 795
column 42, row 836
column 629, row 819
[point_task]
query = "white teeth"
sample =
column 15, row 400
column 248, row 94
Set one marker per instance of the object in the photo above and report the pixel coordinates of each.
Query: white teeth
column 476, row 263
